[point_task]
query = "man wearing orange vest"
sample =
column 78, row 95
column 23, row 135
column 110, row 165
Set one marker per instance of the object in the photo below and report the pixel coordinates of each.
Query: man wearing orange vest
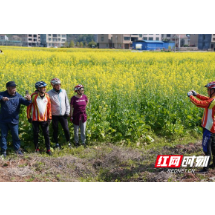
column 208, row 121
column 39, row 114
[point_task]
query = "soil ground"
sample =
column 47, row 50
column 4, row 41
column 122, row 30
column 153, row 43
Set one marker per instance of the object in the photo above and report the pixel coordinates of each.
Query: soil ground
column 105, row 162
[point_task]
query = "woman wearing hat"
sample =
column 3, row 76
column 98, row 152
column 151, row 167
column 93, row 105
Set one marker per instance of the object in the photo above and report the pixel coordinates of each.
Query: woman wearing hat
column 78, row 114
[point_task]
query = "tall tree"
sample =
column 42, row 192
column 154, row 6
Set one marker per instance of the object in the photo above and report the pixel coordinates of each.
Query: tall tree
column 71, row 44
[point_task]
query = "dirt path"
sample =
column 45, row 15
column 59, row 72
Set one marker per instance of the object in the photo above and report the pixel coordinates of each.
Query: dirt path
column 100, row 163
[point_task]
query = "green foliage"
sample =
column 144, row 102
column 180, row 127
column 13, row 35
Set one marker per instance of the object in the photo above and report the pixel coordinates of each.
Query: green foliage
column 71, row 44
column 92, row 44
column 81, row 45
column 66, row 45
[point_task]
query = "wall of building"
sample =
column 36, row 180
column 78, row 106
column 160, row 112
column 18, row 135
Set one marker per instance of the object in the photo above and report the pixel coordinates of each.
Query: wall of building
column 204, row 41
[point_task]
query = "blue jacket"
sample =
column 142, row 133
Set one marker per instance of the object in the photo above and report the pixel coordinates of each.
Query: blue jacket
column 9, row 112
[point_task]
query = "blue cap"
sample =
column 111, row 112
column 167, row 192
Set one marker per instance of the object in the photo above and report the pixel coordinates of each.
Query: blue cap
column 11, row 84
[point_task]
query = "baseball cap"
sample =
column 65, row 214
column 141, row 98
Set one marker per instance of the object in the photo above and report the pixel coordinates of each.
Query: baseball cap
column 11, row 84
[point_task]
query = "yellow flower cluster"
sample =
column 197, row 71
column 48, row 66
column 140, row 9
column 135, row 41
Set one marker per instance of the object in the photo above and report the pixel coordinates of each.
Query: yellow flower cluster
column 126, row 89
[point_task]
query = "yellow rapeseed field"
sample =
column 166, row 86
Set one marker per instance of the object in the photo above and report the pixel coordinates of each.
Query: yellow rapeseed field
column 131, row 93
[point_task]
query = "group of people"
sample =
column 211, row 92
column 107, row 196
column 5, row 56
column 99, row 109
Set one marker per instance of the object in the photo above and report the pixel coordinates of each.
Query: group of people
column 42, row 108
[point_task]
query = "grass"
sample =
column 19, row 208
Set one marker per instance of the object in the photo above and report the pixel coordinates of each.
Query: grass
column 99, row 162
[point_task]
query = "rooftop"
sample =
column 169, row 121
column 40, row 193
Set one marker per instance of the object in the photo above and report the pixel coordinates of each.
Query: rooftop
column 150, row 41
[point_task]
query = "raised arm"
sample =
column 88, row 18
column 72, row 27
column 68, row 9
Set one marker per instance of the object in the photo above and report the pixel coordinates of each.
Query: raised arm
column 202, row 104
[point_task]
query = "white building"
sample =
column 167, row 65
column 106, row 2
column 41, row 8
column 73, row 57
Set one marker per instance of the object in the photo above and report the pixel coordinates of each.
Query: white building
column 30, row 39
column 53, row 40
column 3, row 37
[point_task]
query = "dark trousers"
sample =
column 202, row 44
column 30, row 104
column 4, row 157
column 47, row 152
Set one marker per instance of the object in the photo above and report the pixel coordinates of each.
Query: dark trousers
column 45, row 128
column 64, row 123
column 5, row 127
column 208, row 143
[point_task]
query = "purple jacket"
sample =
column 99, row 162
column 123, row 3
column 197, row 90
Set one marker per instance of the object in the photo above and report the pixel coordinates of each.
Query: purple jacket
column 79, row 112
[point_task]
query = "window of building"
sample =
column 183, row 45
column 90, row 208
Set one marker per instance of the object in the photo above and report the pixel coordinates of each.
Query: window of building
column 49, row 35
column 106, row 45
column 58, row 39
column 102, row 38
column 127, row 38
column 119, row 45
column 63, row 40
column 140, row 35
column 50, row 39
column 213, row 39
column 54, row 35
column 144, row 38
column 157, row 38
column 58, row 35
column 150, row 38
column 30, row 35
column 150, row 34
column 157, row 34
column 64, row 35
column 168, row 35
column 54, row 39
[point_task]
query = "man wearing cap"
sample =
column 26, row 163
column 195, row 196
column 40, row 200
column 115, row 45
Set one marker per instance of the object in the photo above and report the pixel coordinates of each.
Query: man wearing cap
column 9, row 115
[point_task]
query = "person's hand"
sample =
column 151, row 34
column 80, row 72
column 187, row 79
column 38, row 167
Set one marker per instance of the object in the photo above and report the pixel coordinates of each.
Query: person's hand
column 5, row 99
column 66, row 116
column 49, row 121
column 30, row 120
column 71, row 119
column 190, row 93
column 28, row 97
column 194, row 92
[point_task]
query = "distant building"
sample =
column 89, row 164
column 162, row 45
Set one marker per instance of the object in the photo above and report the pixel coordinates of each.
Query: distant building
column 194, row 40
column 213, row 42
column 105, row 41
column 3, row 37
column 156, row 37
column 17, row 37
column 123, row 41
column 184, row 39
column 30, row 40
column 152, row 45
column 53, row 40
column 95, row 38
column 204, row 41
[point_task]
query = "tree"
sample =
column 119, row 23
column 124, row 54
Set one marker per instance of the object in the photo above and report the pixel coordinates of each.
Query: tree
column 81, row 45
column 77, row 44
column 85, row 43
column 66, row 45
column 85, row 37
column 92, row 44
column 71, row 44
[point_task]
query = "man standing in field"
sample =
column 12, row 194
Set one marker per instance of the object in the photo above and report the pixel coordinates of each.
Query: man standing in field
column 208, row 121
column 9, row 116
column 60, row 110
column 39, row 114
